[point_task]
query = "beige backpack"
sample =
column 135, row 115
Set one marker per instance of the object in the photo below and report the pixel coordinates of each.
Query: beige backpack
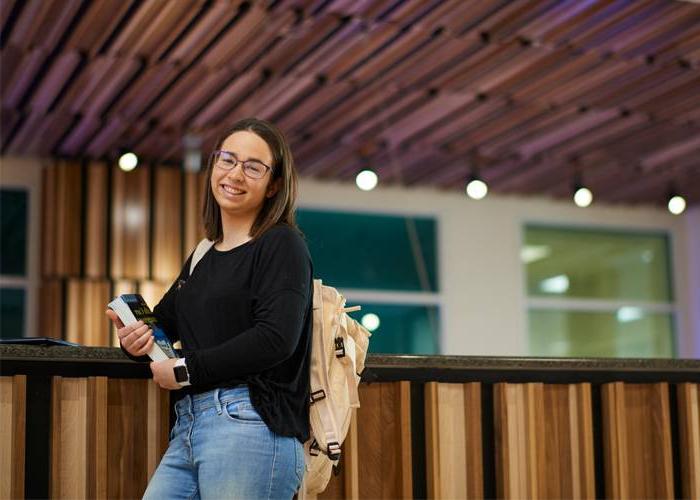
column 337, row 359
column 338, row 352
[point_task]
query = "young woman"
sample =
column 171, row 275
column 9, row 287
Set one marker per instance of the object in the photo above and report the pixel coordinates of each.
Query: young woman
column 244, row 320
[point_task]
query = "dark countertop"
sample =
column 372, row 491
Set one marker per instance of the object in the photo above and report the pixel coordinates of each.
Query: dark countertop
column 72, row 361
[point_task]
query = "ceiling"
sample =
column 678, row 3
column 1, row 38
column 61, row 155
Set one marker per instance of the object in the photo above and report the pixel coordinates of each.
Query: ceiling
column 529, row 92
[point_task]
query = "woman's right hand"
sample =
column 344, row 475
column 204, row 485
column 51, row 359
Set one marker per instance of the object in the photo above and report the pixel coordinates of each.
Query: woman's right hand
column 136, row 339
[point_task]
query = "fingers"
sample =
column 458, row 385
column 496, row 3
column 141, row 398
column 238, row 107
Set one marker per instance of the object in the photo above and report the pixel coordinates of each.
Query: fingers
column 147, row 345
column 115, row 319
column 134, row 338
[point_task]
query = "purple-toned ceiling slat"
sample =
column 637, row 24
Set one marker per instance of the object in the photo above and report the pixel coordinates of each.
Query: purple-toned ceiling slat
column 54, row 81
column 18, row 83
column 419, row 89
column 74, row 142
column 209, row 26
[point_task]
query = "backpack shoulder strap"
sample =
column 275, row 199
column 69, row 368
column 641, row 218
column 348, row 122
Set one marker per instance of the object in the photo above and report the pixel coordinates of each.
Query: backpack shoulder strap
column 202, row 248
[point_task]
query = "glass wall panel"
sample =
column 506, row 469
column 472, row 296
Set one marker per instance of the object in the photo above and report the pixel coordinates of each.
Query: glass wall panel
column 403, row 329
column 629, row 332
column 12, row 302
column 597, row 264
column 371, row 251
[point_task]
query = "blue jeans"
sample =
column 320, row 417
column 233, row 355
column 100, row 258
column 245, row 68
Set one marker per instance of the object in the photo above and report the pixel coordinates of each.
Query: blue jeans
column 220, row 448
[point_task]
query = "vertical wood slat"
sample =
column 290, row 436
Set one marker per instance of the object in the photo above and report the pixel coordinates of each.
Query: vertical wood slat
column 51, row 317
column 637, row 440
column 544, row 441
column 127, row 443
column 86, row 322
column 158, row 426
column 351, row 469
column 78, row 430
column 194, row 231
column 96, row 226
column 568, row 418
column 107, row 436
column 383, row 454
column 689, row 437
column 130, row 224
column 13, row 408
column 62, row 224
column 48, row 226
column 153, row 291
column 167, row 231
column 453, row 440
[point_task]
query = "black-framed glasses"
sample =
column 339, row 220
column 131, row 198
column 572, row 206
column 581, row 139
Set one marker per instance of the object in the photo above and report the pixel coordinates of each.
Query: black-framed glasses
column 251, row 168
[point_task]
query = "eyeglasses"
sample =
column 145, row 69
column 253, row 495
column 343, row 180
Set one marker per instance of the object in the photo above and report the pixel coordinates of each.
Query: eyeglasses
column 251, row 168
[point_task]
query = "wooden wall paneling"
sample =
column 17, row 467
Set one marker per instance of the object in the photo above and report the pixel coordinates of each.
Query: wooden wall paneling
column 130, row 223
column 153, row 291
column 78, row 445
column 86, row 322
column 67, row 218
column 453, row 440
column 129, row 416
column 383, row 454
column 13, row 408
column 48, row 221
column 158, row 427
column 520, row 434
column 52, row 315
column 96, row 226
column 352, row 466
column 637, row 440
column 194, row 230
column 167, row 227
column 689, row 437
column 569, row 459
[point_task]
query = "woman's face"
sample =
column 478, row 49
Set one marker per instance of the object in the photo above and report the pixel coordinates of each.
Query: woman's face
column 235, row 192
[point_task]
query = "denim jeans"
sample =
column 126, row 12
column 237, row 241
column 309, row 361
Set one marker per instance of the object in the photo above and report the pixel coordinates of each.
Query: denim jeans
column 220, row 448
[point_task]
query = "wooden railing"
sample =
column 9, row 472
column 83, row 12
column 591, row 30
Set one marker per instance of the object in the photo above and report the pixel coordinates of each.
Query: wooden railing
column 88, row 423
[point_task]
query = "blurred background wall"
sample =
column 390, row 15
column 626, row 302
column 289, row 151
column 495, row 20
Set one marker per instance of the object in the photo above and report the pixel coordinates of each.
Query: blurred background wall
column 438, row 272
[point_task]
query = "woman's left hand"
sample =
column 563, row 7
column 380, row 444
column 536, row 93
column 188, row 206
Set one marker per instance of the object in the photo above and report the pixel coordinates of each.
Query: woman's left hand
column 163, row 374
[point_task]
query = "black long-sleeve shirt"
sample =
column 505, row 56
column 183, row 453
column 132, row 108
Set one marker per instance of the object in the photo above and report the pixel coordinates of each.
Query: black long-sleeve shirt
column 244, row 316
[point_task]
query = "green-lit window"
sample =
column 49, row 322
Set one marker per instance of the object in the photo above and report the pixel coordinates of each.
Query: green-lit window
column 13, row 223
column 12, row 301
column 628, row 332
column 402, row 329
column 13, row 261
column 371, row 251
column 393, row 258
column 598, row 293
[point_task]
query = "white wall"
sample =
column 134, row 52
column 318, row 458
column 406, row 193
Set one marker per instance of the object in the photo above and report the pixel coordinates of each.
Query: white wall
column 26, row 173
column 482, row 282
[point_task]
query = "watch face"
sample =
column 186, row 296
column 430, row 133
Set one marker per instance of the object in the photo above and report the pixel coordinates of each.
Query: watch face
column 180, row 374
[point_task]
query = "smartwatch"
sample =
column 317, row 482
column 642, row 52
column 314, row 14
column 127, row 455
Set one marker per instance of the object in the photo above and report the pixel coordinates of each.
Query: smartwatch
column 182, row 376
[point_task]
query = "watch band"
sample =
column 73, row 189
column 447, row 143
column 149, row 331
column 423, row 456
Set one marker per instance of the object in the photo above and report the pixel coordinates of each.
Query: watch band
column 182, row 375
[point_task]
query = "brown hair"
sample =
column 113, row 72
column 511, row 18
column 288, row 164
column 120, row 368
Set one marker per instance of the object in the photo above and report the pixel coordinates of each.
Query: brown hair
column 276, row 209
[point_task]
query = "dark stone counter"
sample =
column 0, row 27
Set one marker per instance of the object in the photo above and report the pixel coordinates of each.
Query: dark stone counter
column 109, row 361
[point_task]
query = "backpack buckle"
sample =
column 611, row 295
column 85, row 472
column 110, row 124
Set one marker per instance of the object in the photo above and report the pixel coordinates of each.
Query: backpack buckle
column 339, row 347
column 333, row 450
column 317, row 396
column 314, row 449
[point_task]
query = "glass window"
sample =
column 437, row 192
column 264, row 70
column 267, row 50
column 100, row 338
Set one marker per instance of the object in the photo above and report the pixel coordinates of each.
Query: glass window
column 371, row 251
column 13, row 228
column 597, row 264
column 12, row 312
column 403, row 329
column 629, row 332
column 598, row 293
